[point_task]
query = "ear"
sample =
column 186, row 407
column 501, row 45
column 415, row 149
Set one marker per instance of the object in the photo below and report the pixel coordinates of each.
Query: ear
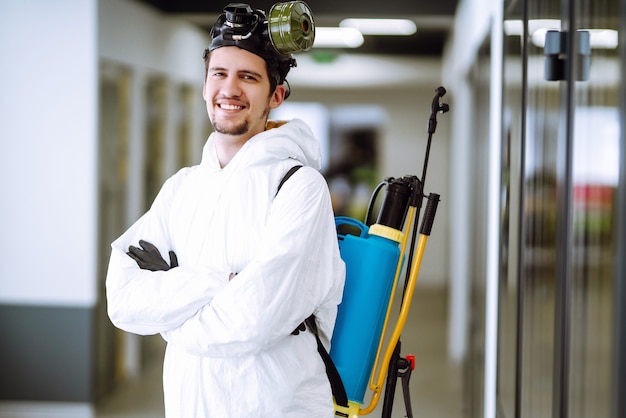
column 204, row 90
column 278, row 97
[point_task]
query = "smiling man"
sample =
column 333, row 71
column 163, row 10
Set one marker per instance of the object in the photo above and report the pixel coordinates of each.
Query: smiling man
column 247, row 263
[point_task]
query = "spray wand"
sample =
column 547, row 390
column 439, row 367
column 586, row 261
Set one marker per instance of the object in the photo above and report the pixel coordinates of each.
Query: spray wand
column 398, row 366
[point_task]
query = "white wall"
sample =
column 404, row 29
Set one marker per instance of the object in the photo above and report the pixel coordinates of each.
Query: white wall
column 471, row 26
column 48, row 136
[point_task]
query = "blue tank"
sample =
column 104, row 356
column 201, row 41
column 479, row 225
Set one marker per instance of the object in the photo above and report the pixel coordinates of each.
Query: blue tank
column 371, row 262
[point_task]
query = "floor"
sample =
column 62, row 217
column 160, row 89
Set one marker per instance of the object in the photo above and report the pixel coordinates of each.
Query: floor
column 435, row 386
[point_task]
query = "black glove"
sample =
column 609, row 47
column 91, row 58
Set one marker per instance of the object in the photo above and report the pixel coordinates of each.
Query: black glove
column 309, row 322
column 148, row 257
column 300, row 328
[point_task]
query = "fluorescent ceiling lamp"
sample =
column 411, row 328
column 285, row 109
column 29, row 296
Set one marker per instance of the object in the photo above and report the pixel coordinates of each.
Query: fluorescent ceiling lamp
column 604, row 38
column 404, row 27
column 337, row 38
column 516, row 27
column 513, row 27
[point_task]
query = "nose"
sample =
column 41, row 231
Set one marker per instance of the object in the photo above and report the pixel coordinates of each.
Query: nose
column 230, row 86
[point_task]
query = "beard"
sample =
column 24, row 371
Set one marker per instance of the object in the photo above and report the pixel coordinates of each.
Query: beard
column 236, row 130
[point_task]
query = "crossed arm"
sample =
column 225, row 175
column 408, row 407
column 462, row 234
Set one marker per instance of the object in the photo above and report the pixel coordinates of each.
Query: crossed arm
column 224, row 316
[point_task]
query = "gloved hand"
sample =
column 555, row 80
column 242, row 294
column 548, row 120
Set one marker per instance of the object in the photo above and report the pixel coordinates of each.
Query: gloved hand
column 148, row 257
column 300, row 328
column 309, row 322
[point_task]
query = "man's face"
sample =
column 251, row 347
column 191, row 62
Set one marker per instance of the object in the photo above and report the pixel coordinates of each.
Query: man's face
column 236, row 91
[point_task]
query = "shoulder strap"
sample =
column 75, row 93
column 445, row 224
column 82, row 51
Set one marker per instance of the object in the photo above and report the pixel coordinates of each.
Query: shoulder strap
column 287, row 175
column 336, row 384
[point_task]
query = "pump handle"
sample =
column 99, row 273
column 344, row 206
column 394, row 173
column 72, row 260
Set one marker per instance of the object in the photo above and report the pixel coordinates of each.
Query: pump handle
column 429, row 214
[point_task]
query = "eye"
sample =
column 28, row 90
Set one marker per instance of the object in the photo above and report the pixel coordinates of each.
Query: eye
column 217, row 73
column 250, row 77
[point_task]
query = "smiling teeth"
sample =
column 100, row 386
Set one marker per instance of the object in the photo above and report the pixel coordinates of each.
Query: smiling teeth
column 231, row 107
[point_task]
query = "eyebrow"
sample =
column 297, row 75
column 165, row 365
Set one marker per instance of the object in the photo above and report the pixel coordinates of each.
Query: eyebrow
column 254, row 73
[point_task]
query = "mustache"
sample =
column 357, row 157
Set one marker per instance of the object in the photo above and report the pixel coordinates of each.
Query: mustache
column 231, row 100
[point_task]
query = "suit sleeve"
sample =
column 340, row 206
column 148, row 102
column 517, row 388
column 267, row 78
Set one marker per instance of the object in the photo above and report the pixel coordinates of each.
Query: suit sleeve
column 146, row 302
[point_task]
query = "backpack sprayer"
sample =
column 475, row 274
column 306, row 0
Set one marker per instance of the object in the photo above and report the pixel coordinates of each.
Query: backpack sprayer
column 374, row 258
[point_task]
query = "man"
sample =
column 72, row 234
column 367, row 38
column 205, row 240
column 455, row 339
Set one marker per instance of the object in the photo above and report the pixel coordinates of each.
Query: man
column 248, row 263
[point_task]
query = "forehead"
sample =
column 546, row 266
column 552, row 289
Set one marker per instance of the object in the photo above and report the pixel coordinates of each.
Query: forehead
column 236, row 59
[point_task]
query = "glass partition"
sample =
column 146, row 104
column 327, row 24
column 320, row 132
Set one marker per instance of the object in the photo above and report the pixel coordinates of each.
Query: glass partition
column 596, row 130
column 513, row 84
column 560, row 171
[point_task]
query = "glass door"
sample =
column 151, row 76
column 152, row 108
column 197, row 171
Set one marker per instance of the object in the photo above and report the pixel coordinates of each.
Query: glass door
column 560, row 217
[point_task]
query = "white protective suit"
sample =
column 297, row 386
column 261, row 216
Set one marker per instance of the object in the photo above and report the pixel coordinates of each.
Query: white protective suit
column 230, row 352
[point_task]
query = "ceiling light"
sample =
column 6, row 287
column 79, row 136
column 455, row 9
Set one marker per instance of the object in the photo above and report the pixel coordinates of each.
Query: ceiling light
column 337, row 38
column 604, row 38
column 516, row 27
column 381, row 26
column 513, row 27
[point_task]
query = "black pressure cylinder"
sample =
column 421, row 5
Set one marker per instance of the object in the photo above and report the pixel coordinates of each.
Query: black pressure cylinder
column 396, row 204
